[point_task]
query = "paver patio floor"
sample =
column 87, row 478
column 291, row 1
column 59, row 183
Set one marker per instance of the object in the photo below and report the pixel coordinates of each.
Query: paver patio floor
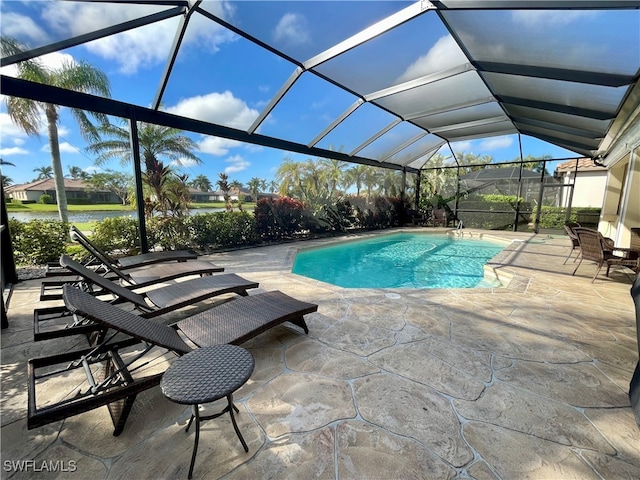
column 528, row 381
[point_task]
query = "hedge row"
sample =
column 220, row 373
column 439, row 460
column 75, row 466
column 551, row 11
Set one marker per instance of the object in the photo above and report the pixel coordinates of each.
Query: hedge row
column 41, row 241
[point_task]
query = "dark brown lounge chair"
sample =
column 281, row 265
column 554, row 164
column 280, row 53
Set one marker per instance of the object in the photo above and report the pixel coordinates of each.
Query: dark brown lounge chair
column 596, row 248
column 232, row 322
column 141, row 277
column 100, row 257
column 53, row 322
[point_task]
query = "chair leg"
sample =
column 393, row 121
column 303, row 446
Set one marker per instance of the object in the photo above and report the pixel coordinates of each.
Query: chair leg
column 597, row 271
column 577, row 266
column 565, row 260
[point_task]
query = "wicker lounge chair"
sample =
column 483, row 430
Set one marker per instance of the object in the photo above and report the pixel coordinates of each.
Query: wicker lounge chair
column 98, row 256
column 138, row 278
column 53, row 322
column 596, row 248
column 123, row 371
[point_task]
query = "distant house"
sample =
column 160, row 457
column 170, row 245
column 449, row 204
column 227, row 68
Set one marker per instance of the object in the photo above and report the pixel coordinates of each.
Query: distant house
column 198, row 196
column 589, row 183
column 77, row 192
column 234, row 194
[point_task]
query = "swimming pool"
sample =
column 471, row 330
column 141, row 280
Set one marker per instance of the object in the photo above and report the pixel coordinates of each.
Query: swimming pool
column 401, row 260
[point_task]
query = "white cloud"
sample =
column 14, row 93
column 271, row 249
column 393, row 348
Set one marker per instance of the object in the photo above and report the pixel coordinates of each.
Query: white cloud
column 6, row 152
column 65, row 147
column 444, row 54
column 462, row 146
column 216, row 146
column 549, row 18
column 238, row 164
column 23, row 28
column 496, row 143
column 93, row 169
column 221, row 108
column 139, row 47
column 9, row 129
column 292, row 30
column 184, row 163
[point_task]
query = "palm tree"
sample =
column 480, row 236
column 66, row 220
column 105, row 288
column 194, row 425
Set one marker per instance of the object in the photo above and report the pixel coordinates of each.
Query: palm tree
column 202, row 183
column 156, row 142
column 356, row 176
column 25, row 113
column 370, row 179
column 78, row 174
column 44, row 172
column 272, row 186
column 6, row 181
column 236, row 184
column 333, row 172
column 254, row 185
column 290, row 174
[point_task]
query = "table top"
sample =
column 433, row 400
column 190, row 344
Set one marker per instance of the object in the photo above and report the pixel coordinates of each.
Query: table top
column 207, row 374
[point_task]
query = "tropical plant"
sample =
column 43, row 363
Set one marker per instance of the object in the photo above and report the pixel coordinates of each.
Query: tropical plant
column 223, row 185
column 272, row 186
column 77, row 173
column 156, row 143
column 6, row 181
column 43, row 172
column 202, row 183
column 254, row 185
column 355, row 176
column 25, row 113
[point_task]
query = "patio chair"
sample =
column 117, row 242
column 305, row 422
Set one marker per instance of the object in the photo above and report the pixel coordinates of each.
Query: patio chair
column 440, row 217
column 53, row 322
column 596, row 248
column 99, row 257
column 123, row 370
column 138, row 278
column 575, row 244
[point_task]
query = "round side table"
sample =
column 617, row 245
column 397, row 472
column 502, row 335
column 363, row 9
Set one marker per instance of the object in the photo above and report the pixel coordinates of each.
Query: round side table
column 206, row 375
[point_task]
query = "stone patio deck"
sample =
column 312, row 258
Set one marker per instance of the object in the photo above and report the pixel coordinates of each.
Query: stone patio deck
column 528, row 381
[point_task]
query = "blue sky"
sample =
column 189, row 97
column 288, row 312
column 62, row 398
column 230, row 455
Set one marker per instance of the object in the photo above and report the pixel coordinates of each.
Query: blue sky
column 223, row 78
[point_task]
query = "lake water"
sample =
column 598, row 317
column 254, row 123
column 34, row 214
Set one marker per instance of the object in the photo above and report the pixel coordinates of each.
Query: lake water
column 80, row 217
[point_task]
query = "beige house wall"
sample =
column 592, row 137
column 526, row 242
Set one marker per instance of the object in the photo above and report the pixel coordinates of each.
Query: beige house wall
column 588, row 190
column 621, row 206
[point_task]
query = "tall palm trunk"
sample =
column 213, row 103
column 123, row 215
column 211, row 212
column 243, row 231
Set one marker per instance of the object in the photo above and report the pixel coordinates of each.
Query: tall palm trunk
column 56, row 163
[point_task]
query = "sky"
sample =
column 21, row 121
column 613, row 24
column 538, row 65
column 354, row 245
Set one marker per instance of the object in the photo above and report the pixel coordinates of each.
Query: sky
column 223, row 78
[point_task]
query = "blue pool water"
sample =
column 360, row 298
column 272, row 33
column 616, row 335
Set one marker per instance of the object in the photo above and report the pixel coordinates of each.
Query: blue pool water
column 402, row 260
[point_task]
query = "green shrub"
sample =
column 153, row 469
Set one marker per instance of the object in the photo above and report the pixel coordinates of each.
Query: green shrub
column 553, row 217
column 45, row 199
column 37, row 242
column 223, row 230
column 118, row 234
column 170, row 233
